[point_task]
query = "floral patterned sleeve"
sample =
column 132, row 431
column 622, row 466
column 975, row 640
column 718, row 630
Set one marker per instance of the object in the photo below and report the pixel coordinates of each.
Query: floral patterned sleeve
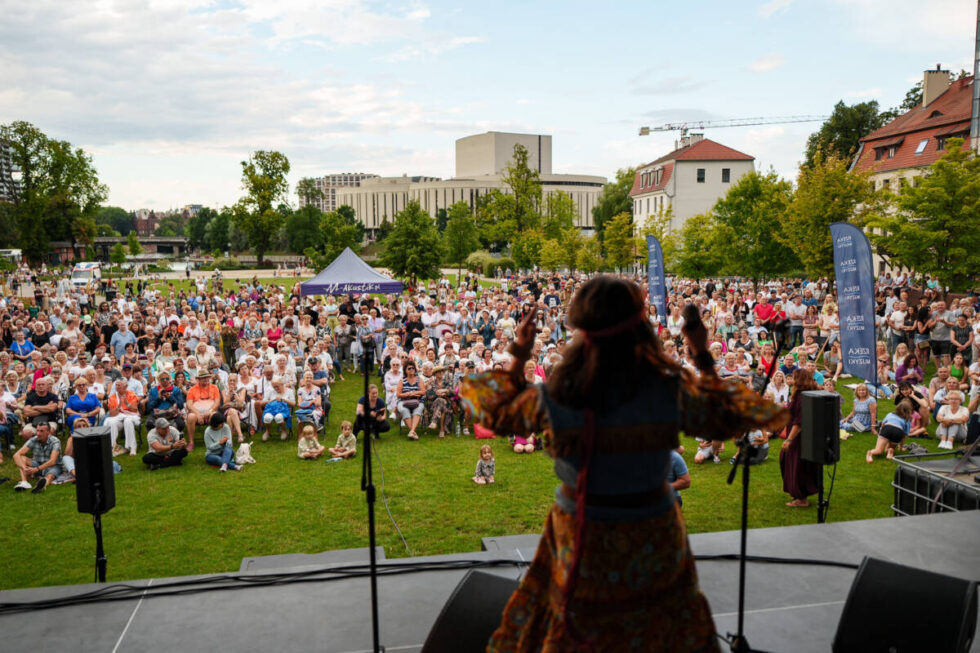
column 506, row 408
column 715, row 409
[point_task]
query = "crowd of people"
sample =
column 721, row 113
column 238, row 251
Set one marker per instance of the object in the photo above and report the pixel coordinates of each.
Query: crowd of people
column 240, row 359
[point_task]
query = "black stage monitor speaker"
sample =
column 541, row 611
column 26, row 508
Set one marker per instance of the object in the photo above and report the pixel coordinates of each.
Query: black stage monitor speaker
column 471, row 614
column 820, row 427
column 943, row 611
column 95, row 486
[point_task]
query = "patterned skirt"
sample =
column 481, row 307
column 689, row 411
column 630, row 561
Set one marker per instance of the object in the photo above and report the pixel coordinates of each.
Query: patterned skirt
column 637, row 591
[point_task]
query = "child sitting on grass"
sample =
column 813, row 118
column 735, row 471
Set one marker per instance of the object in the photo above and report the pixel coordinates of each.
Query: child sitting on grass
column 346, row 442
column 484, row 466
column 894, row 429
column 309, row 447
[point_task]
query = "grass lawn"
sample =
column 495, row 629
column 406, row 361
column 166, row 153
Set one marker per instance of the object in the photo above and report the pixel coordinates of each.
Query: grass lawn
column 195, row 520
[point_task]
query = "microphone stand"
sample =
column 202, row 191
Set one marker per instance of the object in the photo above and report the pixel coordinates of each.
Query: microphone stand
column 367, row 486
column 739, row 644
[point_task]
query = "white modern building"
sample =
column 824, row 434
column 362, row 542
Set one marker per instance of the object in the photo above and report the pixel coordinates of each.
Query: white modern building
column 690, row 179
column 329, row 185
column 481, row 161
column 9, row 187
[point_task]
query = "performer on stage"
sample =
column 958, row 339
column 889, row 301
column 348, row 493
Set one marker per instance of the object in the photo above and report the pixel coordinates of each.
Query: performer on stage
column 622, row 579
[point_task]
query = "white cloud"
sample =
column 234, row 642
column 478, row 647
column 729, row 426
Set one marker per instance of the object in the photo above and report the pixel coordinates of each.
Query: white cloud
column 668, row 85
column 865, row 93
column 431, row 48
column 164, row 83
column 911, row 25
column 771, row 7
column 767, row 63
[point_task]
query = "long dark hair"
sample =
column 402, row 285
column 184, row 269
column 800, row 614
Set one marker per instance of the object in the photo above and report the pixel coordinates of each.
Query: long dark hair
column 803, row 381
column 614, row 362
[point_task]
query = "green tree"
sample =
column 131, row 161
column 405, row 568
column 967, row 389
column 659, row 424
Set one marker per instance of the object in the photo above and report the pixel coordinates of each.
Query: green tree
column 460, row 235
column 659, row 224
column 571, row 242
column 413, row 249
column 526, row 248
column 119, row 219
column 493, row 225
column 59, row 193
column 442, row 218
column 303, row 229
column 825, row 193
column 559, row 214
column 749, row 219
column 839, row 136
column 216, row 234
column 349, row 217
column 197, row 227
column 133, row 244
column 590, row 255
column 613, row 200
column 308, row 192
column 525, row 188
column 265, row 185
column 117, row 255
column 935, row 227
column 106, row 230
column 170, row 226
column 620, row 242
column 552, row 255
column 336, row 234
column 384, row 229
column 701, row 252
column 135, row 249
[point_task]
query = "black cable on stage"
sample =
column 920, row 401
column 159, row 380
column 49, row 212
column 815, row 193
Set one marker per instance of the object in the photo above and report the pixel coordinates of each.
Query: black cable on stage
column 384, row 497
column 222, row 582
column 775, row 560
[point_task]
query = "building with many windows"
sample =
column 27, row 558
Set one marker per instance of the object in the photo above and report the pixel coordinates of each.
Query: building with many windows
column 690, row 179
column 481, row 161
column 8, row 186
column 329, row 185
column 912, row 142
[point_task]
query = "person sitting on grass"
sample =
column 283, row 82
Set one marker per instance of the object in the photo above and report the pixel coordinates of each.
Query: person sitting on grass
column 346, row 442
column 309, row 448
column 217, row 439
column 44, row 463
column 485, row 466
column 862, row 415
column 167, row 447
column 524, row 443
column 952, row 419
column 894, row 429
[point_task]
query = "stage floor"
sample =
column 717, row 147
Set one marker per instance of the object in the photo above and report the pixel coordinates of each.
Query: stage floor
column 790, row 608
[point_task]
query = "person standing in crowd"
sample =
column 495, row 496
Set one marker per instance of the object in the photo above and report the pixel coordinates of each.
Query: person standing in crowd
column 800, row 476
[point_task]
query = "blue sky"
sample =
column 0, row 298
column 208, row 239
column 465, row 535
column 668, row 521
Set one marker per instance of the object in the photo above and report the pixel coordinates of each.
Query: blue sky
column 169, row 97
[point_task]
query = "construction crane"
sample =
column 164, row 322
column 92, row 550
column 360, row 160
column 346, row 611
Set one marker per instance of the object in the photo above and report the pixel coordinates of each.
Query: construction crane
column 685, row 127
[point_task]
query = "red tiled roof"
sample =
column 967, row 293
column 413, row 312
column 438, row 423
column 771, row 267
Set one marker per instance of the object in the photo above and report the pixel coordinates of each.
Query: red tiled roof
column 946, row 115
column 704, row 150
column 952, row 106
column 639, row 189
column 905, row 156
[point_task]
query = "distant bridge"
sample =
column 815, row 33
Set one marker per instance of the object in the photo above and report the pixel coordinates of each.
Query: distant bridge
column 171, row 245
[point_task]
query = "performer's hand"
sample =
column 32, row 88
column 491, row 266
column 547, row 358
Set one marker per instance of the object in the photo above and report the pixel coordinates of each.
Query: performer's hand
column 525, row 333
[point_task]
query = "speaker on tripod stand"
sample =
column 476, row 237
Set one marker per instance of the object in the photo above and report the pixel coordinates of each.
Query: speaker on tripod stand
column 95, row 487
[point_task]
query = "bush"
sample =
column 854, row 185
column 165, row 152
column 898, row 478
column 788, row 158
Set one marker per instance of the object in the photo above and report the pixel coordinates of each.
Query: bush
column 504, row 262
column 476, row 261
column 225, row 263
